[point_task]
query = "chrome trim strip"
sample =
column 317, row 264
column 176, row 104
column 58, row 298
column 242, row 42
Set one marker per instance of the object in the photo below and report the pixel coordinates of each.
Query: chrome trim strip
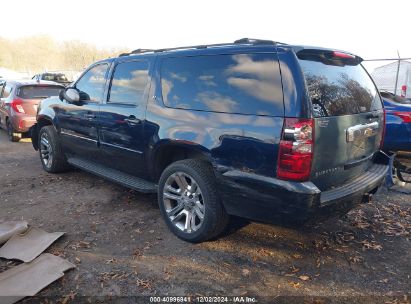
column 120, row 147
column 78, row 136
column 362, row 131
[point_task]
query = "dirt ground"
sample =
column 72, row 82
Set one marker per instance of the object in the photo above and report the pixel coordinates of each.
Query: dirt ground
column 123, row 250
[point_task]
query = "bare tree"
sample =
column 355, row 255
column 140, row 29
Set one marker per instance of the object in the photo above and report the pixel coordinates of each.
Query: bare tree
column 41, row 53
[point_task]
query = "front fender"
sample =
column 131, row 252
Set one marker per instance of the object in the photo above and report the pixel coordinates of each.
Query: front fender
column 45, row 116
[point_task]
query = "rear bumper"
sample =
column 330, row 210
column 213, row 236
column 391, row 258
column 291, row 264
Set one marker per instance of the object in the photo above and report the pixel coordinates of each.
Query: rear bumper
column 23, row 123
column 269, row 199
column 357, row 187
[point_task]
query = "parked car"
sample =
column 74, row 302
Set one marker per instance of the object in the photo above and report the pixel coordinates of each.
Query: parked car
column 254, row 128
column 398, row 123
column 56, row 77
column 18, row 104
column 385, row 78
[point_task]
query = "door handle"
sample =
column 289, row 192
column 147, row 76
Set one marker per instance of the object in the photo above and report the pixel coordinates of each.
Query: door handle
column 89, row 116
column 132, row 120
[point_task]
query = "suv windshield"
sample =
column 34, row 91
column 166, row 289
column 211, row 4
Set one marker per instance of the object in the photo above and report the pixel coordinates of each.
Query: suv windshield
column 337, row 90
column 32, row 92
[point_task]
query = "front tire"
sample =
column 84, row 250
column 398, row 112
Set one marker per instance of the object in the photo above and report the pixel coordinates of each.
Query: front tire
column 51, row 155
column 189, row 202
column 13, row 136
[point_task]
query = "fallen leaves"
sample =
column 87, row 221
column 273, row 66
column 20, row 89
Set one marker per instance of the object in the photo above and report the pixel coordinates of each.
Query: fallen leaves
column 297, row 256
column 295, row 284
column 371, row 245
column 112, row 275
column 58, row 252
column 80, row 245
column 111, row 261
column 265, row 252
column 304, row 277
column 355, row 259
column 390, row 219
column 68, row 297
column 143, row 283
column 137, row 254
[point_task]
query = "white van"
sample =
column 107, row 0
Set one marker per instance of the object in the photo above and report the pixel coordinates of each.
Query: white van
column 385, row 75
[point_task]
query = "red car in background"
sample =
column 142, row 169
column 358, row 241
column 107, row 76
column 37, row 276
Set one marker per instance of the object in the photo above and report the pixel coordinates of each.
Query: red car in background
column 18, row 104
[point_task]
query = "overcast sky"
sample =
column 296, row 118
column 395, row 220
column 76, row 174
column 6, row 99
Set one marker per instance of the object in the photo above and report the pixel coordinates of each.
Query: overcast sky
column 371, row 29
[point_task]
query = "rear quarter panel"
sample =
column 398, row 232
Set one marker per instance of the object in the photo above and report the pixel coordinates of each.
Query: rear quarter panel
column 245, row 142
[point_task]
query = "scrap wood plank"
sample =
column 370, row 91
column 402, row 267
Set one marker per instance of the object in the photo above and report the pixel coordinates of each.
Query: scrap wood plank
column 26, row 247
column 29, row 278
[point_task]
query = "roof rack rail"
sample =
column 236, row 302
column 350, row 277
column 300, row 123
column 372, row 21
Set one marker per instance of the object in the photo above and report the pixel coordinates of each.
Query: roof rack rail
column 201, row 46
column 253, row 41
column 138, row 51
column 257, row 41
column 204, row 46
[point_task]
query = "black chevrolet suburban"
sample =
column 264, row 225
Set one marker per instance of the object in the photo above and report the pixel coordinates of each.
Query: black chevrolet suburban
column 255, row 128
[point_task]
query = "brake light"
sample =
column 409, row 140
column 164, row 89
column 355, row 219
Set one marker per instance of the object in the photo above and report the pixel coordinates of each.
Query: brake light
column 405, row 116
column 403, row 91
column 343, row 55
column 296, row 149
column 16, row 105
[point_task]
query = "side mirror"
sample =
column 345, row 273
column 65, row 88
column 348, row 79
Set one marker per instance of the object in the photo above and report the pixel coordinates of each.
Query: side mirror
column 71, row 95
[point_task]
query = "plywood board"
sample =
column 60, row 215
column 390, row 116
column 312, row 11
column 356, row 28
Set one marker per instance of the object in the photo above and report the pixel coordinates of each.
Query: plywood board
column 29, row 278
column 8, row 229
column 27, row 246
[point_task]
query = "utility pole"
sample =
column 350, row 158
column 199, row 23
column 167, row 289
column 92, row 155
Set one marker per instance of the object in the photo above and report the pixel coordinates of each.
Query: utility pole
column 398, row 71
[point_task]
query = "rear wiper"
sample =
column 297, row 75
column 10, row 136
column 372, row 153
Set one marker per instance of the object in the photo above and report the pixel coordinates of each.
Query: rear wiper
column 34, row 97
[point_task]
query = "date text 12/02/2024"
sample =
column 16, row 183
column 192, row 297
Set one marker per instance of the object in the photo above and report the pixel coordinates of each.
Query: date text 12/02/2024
column 203, row 299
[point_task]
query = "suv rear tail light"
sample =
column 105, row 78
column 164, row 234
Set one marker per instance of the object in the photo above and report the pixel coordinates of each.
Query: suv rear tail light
column 403, row 91
column 296, row 149
column 405, row 116
column 16, row 104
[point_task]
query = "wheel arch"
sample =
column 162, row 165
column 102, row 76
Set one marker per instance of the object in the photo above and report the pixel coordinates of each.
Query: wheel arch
column 35, row 129
column 172, row 151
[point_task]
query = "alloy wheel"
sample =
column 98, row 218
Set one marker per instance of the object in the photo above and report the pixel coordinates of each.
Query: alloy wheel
column 183, row 202
column 46, row 150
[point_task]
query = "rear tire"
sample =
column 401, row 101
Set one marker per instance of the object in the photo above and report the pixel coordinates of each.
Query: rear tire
column 51, row 155
column 189, row 202
column 13, row 136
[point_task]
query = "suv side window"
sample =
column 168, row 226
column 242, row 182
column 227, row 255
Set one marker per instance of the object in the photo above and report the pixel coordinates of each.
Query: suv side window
column 129, row 82
column 237, row 83
column 91, row 84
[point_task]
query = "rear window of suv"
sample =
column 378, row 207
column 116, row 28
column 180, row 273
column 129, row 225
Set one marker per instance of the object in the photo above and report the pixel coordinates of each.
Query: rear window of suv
column 33, row 92
column 237, row 83
column 337, row 90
